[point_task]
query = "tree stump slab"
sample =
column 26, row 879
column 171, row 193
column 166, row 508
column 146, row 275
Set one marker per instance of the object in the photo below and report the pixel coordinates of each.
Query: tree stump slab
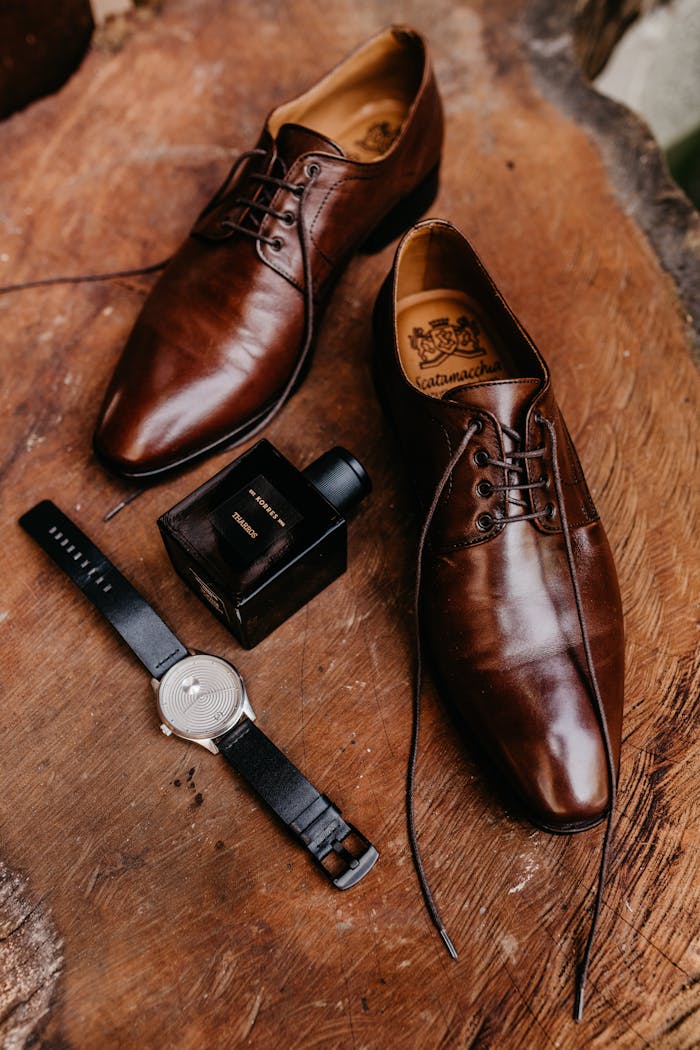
column 146, row 898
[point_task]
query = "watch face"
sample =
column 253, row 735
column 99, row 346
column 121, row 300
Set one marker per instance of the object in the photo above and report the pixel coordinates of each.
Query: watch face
column 201, row 697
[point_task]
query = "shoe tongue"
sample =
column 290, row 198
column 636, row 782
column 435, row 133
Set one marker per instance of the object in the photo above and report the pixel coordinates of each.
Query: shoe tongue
column 506, row 399
column 293, row 141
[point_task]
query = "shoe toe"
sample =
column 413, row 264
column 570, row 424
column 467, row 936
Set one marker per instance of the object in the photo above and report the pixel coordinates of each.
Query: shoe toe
column 142, row 425
column 563, row 776
column 541, row 734
column 163, row 406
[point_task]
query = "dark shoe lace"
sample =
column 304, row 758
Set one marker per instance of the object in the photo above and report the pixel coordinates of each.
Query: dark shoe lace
column 84, row 278
column 254, row 206
column 257, row 206
column 513, row 464
column 515, row 468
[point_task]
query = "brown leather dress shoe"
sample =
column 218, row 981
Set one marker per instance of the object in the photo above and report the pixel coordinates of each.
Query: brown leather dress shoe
column 224, row 336
column 520, row 602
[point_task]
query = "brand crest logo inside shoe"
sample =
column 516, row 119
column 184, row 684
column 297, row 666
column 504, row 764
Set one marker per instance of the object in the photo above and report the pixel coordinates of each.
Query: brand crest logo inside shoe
column 445, row 339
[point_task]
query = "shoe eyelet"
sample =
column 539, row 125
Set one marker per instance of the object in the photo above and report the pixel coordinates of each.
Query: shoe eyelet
column 288, row 218
column 276, row 244
column 481, row 457
column 298, row 191
column 477, row 424
column 313, row 170
column 485, row 522
column 549, row 511
column 544, row 480
column 485, row 488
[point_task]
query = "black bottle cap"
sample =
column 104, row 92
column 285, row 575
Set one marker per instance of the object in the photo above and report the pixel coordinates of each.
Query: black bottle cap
column 340, row 478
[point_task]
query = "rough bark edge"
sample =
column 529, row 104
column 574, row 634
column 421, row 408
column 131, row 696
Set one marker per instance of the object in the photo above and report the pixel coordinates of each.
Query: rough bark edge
column 600, row 24
column 31, row 962
column 638, row 172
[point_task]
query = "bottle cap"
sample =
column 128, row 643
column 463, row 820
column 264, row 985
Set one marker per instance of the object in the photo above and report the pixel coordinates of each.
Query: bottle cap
column 340, row 478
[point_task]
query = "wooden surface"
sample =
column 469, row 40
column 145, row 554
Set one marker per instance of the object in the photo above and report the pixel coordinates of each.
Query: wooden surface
column 131, row 915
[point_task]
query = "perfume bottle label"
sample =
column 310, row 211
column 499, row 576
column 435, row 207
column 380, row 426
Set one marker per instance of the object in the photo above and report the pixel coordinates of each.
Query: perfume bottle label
column 209, row 595
column 257, row 517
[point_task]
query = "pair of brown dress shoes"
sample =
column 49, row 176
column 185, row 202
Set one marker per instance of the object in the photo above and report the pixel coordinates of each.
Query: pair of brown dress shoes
column 520, row 600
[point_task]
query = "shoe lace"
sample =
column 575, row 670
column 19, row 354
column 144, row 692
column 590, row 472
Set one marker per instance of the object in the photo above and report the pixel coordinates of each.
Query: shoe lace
column 137, row 271
column 84, row 278
column 514, row 466
column 257, row 207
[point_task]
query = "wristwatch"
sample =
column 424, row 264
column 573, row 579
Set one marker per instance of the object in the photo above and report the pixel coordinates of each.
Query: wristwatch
column 203, row 698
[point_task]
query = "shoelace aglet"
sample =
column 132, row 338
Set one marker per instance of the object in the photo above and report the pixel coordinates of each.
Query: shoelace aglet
column 448, row 943
column 578, row 999
column 123, row 503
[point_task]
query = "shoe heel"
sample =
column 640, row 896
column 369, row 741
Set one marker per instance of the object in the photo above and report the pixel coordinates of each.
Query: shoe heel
column 404, row 215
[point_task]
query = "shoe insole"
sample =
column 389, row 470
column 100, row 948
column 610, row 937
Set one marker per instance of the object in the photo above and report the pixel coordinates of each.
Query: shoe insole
column 363, row 103
column 445, row 342
column 371, row 129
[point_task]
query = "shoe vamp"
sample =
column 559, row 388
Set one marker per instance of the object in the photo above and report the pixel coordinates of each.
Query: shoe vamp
column 217, row 339
column 504, row 633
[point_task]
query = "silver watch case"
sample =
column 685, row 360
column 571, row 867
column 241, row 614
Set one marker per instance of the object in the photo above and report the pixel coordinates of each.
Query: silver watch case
column 200, row 698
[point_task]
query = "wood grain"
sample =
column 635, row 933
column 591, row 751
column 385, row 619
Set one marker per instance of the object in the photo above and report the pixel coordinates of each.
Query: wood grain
column 191, row 921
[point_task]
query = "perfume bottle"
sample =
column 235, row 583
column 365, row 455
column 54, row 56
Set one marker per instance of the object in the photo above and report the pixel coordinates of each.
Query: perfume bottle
column 261, row 538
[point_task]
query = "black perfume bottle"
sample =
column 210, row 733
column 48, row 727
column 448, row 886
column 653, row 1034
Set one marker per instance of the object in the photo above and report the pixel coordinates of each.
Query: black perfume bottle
column 261, row 538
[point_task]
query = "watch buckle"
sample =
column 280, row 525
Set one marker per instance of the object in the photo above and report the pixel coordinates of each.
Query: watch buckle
column 357, row 862
column 326, row 837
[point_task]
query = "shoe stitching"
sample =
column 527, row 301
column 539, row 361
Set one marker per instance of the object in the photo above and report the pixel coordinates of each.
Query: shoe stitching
column 585, row 502
column 331, row 189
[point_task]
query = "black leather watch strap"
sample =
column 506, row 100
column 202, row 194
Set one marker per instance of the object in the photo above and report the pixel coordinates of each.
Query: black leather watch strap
column 141, row 628
column 344, row 855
